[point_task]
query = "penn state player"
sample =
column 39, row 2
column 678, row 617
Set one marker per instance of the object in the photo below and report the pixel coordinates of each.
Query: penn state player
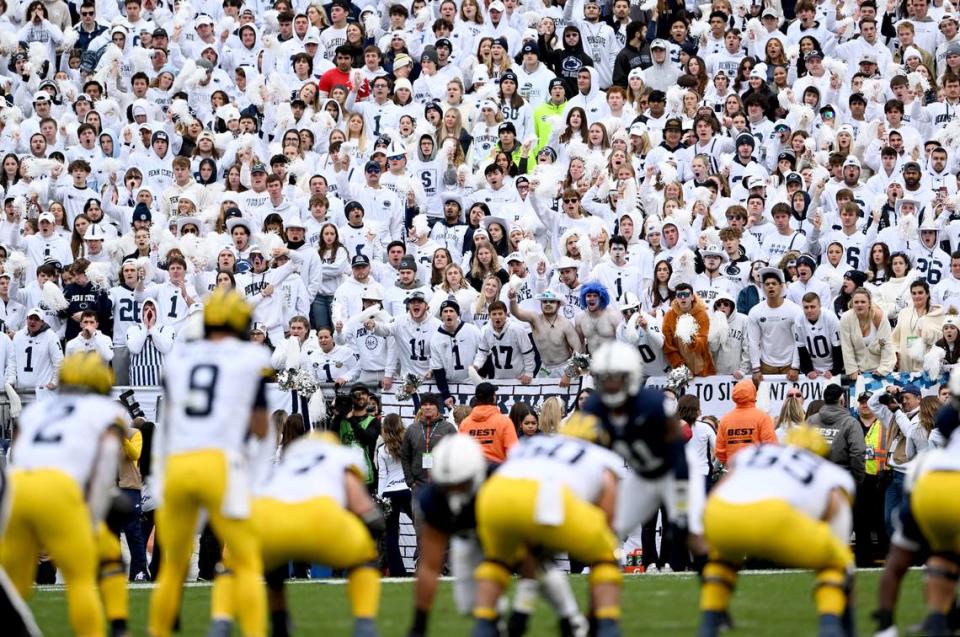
column 639, row 425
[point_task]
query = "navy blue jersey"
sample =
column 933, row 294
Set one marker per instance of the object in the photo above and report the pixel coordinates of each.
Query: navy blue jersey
column 644, row 436
column 435, row 508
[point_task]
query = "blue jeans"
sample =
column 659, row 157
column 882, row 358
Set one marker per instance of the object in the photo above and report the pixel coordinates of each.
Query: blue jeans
column 892, row 499
column 321, row 311
column 134, row 532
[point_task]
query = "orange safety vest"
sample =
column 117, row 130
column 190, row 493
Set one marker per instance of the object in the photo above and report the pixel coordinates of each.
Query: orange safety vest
column 876, row 449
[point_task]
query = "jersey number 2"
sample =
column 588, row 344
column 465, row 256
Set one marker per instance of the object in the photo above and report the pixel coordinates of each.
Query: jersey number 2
column 50, row 432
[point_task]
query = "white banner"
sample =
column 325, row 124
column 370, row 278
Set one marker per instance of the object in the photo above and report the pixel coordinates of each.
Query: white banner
column 716, row 392
column 508, row 393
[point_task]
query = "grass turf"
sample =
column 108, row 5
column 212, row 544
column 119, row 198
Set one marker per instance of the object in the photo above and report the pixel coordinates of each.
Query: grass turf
column 765, row 604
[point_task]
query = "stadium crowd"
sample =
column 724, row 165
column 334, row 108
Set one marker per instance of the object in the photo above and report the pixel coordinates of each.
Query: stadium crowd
column 731, row 188
column 459, row 191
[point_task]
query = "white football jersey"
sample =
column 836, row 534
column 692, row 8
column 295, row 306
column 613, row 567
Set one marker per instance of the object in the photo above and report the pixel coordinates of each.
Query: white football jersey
column 64, row 434
column 211, row 388
column 561, row 460
column 311, row 468
column 454, row 352
column 771, row 472
column 37, row 357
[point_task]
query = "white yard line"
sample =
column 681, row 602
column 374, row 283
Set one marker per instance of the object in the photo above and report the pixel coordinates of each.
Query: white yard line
column 407, row 580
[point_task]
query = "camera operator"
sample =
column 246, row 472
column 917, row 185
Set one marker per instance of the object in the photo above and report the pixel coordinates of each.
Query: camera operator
column 130, row 483
column 358, row 426
column 898, row 409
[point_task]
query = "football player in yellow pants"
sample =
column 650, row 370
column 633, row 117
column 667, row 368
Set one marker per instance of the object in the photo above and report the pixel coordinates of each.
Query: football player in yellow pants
column 216, row 399
column 113, row 580
column 63, row 469
column 788, row 506
column 557, row 495
column 314, row 508
column 937, row 512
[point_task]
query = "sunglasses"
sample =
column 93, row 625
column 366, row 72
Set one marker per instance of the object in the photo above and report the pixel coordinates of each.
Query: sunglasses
column 189, row 231
column 88, row 13
column 570, row 200
column 684, row 295
column 794, row 394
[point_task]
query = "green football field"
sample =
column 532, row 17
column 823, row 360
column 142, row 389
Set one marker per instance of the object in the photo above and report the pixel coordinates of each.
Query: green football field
column 765, row 604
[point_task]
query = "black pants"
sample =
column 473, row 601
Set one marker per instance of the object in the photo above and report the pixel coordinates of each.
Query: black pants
column 868, row 524
column 648, row 540
column 210, row 554
column 400, row 502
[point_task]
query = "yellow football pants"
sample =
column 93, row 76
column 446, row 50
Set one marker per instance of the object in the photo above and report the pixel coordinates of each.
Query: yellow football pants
column 318, row 531
column 198, row 480
column 937, row 510
column 775, row 531
column 48, row 510
column 113, row 574
column 506, row 524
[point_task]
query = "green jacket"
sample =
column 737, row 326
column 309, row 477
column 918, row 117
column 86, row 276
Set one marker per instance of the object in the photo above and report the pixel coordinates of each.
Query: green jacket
column 542, row 127
column 362, row 434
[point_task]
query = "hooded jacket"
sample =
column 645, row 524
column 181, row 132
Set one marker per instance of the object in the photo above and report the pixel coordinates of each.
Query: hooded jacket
column 845, row 435
column 594, row 103
column 567, row 62
column 695, row 355
column 492, row 429
column 661, row 76
column 746, row 425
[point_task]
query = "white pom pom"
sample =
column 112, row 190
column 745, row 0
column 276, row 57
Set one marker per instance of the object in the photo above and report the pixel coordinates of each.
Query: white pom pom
column 271, row 20
column 8, row 41
column 719, row 328
column 52, row 297
column 916, row 348
column 292, row 353
column 932, row 360
column 421, row 225
column 17, row 262
column 687, row 328
column 423, row 16
column 226, row 25
column 918, row 80
column 473, row 375
column 141, row 60
column 99, row 274
column 182, row 16
column 907, row 227
column 70, row 37
column 756, row 27
column 699, row 29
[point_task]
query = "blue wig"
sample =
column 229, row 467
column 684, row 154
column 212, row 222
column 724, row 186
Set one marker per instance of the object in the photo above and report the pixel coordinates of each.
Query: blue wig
column 597, row 288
